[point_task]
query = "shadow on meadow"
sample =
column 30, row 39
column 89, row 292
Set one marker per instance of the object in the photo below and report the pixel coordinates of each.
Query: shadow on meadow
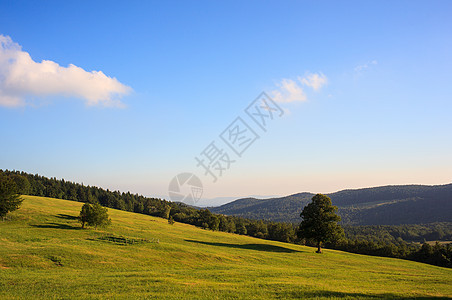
column 346, row 295
column 258, row 247
column 57, row 226
column 66, row 217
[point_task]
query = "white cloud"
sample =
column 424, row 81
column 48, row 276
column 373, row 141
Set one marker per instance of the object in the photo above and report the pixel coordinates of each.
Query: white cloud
column 365, row 66
column 21, row 78
column 315, row 81
column 292, row 91
column 288, row 91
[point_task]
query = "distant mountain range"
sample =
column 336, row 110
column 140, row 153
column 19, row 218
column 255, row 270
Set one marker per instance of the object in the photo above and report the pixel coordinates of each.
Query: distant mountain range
column 206, row 202
column 385, row 205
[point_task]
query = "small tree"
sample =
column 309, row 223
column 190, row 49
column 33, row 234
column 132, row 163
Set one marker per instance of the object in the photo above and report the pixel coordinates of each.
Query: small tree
column 9, row 198
column 85, row 214
column 320, row 221
column 93, row 215
column 171, row 220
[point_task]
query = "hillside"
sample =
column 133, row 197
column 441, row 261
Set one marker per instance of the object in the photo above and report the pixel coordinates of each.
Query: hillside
column 387, row 205
column 45, row 254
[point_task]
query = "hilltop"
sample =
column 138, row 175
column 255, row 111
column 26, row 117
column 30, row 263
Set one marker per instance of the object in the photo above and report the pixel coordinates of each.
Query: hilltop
column 45, row 254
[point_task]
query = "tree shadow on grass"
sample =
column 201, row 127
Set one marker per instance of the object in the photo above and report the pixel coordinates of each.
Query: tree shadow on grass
column 345, row 295
column 66, row 217
column 258, row 247
column 57, row 226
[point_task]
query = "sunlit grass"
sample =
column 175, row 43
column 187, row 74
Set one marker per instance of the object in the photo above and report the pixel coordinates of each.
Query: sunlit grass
column 45, row 254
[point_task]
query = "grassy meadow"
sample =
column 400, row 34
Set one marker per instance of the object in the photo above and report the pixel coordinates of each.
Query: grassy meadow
column 45, row 254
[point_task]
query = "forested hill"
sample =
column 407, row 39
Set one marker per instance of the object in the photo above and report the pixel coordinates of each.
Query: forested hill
column 390, row 241
column 386, row 205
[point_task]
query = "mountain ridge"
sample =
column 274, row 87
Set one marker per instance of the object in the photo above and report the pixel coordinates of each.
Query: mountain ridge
column 381, row 205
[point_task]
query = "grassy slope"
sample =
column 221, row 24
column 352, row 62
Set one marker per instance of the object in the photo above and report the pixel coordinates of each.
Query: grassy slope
column 186, row 263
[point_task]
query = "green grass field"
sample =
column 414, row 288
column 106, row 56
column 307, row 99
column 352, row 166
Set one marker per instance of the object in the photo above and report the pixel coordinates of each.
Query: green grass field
column 44, row 254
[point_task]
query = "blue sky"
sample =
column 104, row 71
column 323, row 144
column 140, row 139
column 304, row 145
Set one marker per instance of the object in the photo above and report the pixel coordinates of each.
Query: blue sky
column 176, row 74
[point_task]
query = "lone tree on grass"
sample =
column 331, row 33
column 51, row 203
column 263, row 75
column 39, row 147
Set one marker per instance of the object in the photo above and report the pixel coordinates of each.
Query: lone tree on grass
column 320, row 221
column 93, row 215
column 9, row 197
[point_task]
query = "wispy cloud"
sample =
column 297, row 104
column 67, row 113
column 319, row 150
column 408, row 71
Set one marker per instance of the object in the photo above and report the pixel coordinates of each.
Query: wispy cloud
column 21, row 78
column 289, row 90
column 365, row 66
column 315, row 80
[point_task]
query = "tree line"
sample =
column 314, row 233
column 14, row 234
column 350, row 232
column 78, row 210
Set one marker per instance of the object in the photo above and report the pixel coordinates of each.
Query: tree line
column 36, row 185
column 418, row 233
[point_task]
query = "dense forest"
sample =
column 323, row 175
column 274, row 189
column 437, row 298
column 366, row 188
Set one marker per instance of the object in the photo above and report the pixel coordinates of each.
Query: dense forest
column 416, row 233
column 390, row 241
column 386, row 205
